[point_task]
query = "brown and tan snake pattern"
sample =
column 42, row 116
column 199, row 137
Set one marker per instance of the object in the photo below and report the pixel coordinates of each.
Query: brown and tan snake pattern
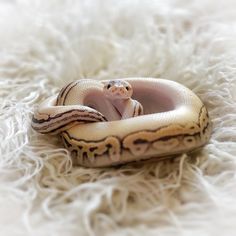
column 102, row 125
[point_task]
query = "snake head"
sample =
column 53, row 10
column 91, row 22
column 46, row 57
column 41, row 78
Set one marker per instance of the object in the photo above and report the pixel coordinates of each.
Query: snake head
column 118, row 89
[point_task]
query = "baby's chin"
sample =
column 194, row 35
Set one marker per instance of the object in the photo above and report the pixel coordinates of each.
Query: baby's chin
column 116, row 96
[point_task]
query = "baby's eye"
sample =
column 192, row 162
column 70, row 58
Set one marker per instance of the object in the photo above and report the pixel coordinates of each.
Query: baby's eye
column 127, row 88
column 108, row 86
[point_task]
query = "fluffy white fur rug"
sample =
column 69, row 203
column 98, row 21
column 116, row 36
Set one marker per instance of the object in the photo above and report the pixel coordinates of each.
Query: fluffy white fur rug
column 46, row 44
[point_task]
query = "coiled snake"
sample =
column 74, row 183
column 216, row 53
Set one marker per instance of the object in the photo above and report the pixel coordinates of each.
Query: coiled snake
column 102, row 125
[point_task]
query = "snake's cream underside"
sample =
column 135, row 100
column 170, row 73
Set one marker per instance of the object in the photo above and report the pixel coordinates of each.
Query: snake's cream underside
column 174, row 121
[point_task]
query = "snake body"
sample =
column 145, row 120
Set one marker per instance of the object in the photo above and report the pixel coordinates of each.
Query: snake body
column 102, row 125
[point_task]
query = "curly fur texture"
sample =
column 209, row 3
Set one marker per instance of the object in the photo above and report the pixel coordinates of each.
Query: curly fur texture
column 46, row 44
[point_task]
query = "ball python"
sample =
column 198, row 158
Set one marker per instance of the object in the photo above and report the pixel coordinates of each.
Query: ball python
column 105, row 123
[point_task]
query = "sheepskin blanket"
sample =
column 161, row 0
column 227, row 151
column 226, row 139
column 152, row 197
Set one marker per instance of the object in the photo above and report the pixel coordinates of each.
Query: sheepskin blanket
column 46, row 44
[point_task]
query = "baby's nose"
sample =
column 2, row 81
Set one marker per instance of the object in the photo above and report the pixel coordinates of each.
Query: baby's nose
column 121, row 89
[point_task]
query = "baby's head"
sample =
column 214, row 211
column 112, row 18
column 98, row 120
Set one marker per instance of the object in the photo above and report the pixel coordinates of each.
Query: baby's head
column 117, row 89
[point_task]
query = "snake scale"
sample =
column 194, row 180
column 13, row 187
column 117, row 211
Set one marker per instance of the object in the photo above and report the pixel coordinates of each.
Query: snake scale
column 106, row 123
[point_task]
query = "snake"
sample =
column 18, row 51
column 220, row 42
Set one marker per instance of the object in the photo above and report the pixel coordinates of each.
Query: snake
column 110, row 122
